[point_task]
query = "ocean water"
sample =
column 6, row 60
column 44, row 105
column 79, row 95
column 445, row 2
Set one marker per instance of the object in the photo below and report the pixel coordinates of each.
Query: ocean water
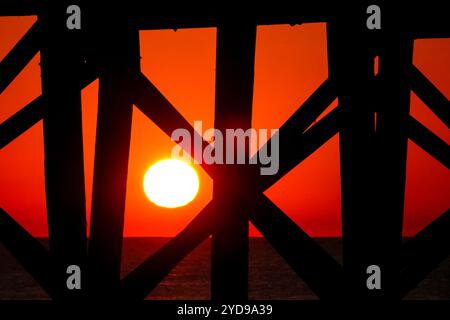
column 270, row 277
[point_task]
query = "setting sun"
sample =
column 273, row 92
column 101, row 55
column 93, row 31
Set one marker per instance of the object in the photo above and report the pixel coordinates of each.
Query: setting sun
column 171, row 183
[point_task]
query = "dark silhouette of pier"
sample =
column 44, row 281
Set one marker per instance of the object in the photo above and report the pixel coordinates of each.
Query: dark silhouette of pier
column 372, row 119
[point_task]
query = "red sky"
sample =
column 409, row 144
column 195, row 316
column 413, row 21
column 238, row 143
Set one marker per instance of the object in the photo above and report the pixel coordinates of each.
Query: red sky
column 290, row 65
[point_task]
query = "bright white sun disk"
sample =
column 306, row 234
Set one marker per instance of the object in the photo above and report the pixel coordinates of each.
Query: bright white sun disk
column 171, row 183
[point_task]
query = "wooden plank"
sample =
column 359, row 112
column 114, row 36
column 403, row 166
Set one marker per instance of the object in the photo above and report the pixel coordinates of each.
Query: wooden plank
column 311, row 109
column 29, row 252
column 351, row 67
column 157, row 108
column 21, row 121
column 430, row 95
column 420, row 21
column 20, row 7
column 424, row 252
column 19, row 56
column 234, row 93
column 393, row 97
column 61, row 63
column 428, row 141
column 292, row 130
column 32, row 113
column 118, row 56
column 310, row 261
column 296, row 147
column 143, row 279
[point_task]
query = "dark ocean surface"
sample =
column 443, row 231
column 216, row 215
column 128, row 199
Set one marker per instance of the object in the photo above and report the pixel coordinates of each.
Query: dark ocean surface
column 269, row 277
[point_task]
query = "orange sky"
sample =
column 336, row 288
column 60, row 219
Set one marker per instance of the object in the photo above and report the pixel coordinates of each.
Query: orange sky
column 291, row 62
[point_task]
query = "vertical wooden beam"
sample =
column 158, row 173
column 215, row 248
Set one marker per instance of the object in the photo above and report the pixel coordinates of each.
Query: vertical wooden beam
column 61, row 62
column 118, row 57
column 395, row 50
column 234, row 94
column 373, row 149
column 351, row 68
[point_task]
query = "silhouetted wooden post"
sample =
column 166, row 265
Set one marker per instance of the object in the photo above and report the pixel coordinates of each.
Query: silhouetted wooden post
column 118, row 58
column 395, row 50
column 234, row 94
column 351, row 67
column 61, row 62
